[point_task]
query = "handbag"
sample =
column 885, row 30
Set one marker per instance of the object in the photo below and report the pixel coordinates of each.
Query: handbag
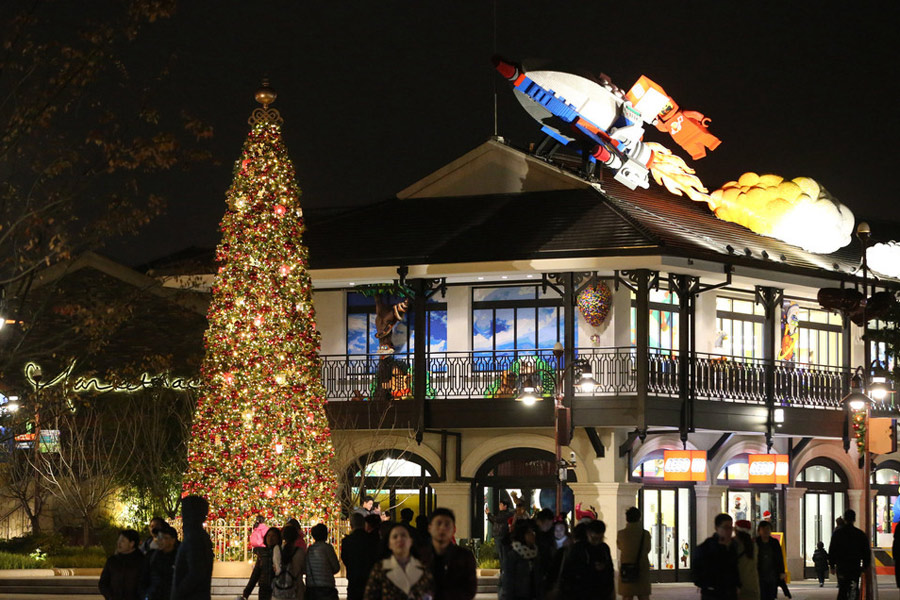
column 631, row 572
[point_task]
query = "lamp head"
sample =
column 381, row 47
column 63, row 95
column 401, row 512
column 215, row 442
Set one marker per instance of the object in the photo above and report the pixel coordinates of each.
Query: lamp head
column 586, row 377
column 528, row 395
column 558, row 350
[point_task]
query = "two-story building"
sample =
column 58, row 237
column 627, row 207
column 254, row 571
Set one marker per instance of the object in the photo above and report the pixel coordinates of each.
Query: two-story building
column 506, row 253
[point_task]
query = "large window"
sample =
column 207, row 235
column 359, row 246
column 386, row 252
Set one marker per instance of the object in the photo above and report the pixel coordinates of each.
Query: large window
column 663, row 320
column 879, row 350
column 820, row 337
column 508, row 322
column 739, row 328
column 361, row 326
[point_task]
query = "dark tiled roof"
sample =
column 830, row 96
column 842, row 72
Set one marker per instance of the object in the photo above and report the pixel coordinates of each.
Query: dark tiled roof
column 608, row 221
column 689, row 228
column 474, row 228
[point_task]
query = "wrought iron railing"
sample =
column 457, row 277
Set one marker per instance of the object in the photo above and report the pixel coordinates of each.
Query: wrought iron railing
column 500, row 374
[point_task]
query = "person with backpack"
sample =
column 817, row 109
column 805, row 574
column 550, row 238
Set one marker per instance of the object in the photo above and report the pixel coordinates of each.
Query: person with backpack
column 321, row 565
column 288, row 561
column 263, row 568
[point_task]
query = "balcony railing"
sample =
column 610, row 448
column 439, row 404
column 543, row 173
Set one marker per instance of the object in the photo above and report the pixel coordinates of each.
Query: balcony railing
column 499, row 374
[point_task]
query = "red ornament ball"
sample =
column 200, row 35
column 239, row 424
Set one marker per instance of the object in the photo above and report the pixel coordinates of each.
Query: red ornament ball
column 280, row 210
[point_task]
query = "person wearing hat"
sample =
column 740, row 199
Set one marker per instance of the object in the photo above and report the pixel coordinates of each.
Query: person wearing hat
column 747, row 560
column 770, row 562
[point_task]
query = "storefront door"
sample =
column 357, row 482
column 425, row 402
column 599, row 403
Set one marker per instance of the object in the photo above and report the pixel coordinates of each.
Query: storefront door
column 667, row 516
column 819, row 513
column 825, row 500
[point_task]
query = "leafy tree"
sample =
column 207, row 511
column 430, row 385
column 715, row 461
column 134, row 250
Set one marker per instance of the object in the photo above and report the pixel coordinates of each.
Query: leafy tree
column 82, row 136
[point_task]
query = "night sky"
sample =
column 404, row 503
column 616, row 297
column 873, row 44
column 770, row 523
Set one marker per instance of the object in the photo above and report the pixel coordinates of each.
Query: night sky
column 377, row 95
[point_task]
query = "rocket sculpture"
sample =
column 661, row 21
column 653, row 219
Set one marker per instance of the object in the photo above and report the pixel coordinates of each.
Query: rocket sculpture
column 606, row 125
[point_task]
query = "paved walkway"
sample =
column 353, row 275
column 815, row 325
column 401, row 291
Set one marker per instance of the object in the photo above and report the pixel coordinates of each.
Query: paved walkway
column 662, row 591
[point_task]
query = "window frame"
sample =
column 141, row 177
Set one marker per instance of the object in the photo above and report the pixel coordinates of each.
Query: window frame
column 526, row 304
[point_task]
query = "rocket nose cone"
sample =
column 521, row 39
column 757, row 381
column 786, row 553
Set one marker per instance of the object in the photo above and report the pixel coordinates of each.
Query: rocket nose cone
column 505, row 68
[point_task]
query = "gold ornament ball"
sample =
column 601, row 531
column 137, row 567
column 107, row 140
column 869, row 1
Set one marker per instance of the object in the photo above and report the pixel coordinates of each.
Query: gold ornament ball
column 265, row 95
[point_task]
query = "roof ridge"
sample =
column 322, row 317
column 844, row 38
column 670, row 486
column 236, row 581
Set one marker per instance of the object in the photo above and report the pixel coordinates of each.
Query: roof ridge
column 611, row 203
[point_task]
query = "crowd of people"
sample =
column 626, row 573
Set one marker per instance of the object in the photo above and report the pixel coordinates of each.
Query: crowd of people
column 540, row 559
column 161, row 567
column 734, row 565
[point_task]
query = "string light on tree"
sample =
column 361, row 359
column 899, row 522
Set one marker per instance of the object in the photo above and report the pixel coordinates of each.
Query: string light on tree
column 260, row 441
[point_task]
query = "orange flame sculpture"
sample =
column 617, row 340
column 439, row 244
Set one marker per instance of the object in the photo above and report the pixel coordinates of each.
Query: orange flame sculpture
column 798, row 211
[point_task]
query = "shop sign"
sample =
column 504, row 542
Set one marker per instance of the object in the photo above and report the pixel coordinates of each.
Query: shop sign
column 684, row 465
column 769, row 468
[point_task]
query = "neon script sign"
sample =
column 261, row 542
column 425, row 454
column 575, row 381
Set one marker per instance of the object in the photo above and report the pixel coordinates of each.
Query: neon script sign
column 95, row 384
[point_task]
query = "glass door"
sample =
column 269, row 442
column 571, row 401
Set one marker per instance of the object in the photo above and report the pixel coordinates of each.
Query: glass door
column 667, row 517
column 883, row 520
column 820, row 510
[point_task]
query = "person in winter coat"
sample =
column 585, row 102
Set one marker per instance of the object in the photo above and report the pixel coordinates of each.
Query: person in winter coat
column 452, row 567
column 820, row 561
column 633, row 543
column 400, row 576
column 321, row 565
column 289, row 562
column 121, row 575
column 301, row 539
column 588, row 572
column 715, row 563
column 263, row 568
column 156, row 581
column 258, row 535
column 500, row 527
column 150, row 543
column 747, row 556
column 849, row 555
column 520, row 573
column 770, row 562
column 358, row 553
column 194, row 560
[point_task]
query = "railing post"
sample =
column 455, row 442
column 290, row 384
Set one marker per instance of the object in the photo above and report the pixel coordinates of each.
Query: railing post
column 641, row 278
column 420, row 362
column 683, row 285
column 569, row 334
column 770, row 298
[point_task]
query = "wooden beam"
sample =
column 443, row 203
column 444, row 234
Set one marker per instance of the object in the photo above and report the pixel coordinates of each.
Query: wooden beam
column 801, row 445
column 592, row 434
column 723, row 439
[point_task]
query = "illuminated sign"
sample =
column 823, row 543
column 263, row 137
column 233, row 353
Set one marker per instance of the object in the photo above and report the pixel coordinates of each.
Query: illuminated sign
column 769, row 468
column 684, row 465
column 81, row 385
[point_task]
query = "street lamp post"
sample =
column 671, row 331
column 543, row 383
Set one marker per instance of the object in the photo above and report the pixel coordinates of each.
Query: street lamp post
column 528, row 395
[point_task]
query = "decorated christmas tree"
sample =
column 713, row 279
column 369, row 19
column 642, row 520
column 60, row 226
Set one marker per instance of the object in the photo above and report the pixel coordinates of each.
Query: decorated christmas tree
column 260, row 441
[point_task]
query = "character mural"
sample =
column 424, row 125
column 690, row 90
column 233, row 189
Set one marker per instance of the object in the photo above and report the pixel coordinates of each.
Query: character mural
column 790, row 331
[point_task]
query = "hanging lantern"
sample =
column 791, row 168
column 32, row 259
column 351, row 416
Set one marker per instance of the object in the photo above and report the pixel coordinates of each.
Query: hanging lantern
column 594, row 303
